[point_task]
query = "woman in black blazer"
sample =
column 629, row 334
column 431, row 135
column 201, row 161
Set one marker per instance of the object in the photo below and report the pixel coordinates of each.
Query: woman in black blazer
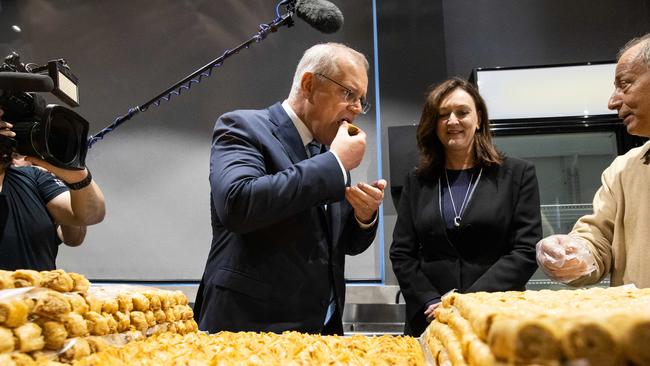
column 468, row 218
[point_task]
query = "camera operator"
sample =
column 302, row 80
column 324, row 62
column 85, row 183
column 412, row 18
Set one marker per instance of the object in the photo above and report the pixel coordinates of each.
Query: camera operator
column 71, row 236
column 41, row 211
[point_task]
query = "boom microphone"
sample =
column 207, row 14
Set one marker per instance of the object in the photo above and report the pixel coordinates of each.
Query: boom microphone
column 25, row 82
column 320, row 14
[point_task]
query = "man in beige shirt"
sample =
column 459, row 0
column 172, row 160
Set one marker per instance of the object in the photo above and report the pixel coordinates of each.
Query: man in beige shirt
column 615, row 238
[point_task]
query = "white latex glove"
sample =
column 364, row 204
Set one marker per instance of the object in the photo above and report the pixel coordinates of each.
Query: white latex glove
column 565, row 258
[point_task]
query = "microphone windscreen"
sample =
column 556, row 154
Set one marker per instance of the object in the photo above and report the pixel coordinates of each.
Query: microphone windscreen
column 320, row 14
column 25, row 82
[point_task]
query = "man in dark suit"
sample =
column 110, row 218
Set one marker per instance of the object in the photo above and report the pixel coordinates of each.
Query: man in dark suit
column 283, row 218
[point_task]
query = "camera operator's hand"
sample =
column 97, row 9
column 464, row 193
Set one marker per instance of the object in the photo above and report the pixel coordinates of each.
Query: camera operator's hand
column 5, row 127
column 66, row 175
column 80, row 206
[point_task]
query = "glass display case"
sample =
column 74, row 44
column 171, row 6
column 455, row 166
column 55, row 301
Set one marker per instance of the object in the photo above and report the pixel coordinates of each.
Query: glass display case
column 557, row 118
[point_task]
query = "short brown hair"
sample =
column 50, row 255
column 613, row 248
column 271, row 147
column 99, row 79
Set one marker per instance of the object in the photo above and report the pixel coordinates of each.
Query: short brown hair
column 432, row 152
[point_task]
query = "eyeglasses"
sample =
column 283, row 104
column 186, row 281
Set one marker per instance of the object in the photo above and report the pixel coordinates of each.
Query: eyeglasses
column 349, row 95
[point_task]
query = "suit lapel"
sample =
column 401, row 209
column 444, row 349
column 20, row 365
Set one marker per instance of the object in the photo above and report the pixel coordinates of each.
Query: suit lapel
column 287, row 134
column 290, row 140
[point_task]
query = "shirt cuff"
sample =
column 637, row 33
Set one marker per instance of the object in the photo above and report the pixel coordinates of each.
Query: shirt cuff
column 345, row 176
column 435, row 300
column 367, row 226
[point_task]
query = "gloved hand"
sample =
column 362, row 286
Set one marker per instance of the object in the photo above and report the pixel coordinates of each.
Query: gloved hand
column 565, row 258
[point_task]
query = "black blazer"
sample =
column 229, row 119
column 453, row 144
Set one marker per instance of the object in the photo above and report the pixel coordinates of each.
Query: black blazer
column 493, row 250
column 275, row 249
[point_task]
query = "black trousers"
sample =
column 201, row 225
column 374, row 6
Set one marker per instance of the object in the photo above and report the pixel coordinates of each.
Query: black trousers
column 335, row 325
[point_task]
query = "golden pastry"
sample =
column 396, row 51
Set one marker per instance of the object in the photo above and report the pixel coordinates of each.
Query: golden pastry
column 19, row 359
column 245, row 348
column 165, row 301
column 111, row 322
column 75, row 325
column 26, row 278
column 170, row 315
column 353, row 130
column 154, row 299
column 78, row 349
column 77, row 303
column 632, row 332
column 57, row 280
column 46, row 358
column 140, row 302
column 13, row 312
column 97, row 344
column 160, row 316
column 123, row 321
column 54, row 334
column 29, row 338
column 6, row 280
column 151, row 319
column 81, row 283
column 180, row 297
column 94, row 301
column 139, row 320
column 50, row 304
column 7, row 342
column 97, row 323
column 124, row 301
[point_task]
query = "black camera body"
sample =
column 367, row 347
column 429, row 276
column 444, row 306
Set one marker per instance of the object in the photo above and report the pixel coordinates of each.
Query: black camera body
column 51, row 132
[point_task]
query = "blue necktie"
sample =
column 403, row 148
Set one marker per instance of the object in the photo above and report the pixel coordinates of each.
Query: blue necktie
column 313, row 148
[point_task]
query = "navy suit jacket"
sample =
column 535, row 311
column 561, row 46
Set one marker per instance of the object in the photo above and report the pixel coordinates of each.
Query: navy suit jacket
column 276, row 251
column 493, row 250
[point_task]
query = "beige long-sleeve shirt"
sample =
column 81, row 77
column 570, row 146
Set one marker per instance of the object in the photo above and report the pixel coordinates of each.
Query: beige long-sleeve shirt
column 618, row 231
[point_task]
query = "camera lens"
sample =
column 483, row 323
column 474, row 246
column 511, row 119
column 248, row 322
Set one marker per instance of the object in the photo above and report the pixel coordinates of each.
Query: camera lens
column 58, row 137
column 63, row 140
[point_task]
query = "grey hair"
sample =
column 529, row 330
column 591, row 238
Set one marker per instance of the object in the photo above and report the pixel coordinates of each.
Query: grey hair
column 644, row 52
column 322, row 58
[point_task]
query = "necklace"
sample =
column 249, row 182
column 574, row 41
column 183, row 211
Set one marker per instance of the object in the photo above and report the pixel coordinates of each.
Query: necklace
column 468, row 196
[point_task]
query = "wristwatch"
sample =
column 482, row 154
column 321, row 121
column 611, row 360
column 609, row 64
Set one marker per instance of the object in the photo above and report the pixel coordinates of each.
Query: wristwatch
column 82, row 183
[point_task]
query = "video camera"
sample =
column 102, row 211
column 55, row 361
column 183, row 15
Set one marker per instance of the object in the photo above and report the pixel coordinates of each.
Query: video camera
column 51, row 132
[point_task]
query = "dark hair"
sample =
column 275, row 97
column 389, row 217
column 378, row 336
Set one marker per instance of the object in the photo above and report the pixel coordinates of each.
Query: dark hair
column 432, row 152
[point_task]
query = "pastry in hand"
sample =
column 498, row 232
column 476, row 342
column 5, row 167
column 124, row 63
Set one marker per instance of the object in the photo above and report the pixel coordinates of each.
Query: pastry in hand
column 353, row 130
